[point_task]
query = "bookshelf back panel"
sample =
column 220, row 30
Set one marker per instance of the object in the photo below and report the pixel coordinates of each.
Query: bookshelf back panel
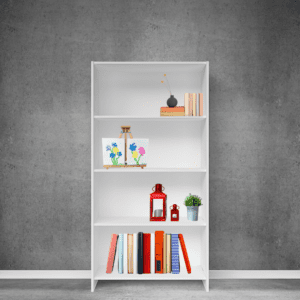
column 136, row 89
column 117, row 194
column 192, row 239
column 171, row 144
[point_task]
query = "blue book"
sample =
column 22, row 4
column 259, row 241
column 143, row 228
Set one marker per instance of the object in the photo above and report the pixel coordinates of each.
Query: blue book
column 175, row 253
column 121, row 253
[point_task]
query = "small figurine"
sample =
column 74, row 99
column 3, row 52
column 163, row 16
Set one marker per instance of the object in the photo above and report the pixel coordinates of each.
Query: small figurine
column 174, row 212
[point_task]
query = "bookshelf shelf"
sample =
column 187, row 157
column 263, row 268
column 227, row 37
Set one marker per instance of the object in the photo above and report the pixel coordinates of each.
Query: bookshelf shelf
column 197, row 274
column 144, row 221
column 146, row 170
column 145, row 118
column 131, row 93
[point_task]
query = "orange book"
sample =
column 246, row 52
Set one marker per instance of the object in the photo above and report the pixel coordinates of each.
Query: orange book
column 159, row 242
column 172, row 109
column 111, row 253
column 185, row 254
column 194, row 104
column 200, row 104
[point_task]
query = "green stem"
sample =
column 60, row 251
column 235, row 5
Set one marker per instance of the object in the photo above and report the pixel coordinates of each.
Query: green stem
column 139, row 159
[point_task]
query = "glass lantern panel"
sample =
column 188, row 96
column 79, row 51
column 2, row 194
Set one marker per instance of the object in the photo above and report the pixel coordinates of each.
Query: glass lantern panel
column 157, row 205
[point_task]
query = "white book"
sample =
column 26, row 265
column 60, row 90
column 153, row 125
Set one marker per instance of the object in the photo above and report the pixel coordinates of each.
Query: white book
column 125, row 254
column 152, row 253
column 121, row 253
column 135, row 253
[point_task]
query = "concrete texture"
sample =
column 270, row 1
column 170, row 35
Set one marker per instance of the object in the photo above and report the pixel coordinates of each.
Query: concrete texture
column 220, row 290
column 46, row 50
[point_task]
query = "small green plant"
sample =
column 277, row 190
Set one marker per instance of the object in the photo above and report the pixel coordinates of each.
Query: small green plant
column 192, row 200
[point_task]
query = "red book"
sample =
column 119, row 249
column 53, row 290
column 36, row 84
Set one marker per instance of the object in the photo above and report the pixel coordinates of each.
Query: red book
column 185, row 254
column 112, row 253
column 147, row 253
column 159, row 244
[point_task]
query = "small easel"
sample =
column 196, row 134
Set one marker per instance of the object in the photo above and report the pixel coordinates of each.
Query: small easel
column 125, row 130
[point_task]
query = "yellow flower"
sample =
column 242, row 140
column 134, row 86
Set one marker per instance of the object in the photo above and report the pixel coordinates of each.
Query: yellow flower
column 134, row 154
column 115, row 150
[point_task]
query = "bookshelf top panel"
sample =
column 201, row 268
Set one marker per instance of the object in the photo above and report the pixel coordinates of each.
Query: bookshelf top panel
column 135, row 89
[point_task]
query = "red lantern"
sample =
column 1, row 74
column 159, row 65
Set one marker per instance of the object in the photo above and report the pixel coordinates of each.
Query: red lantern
column 158, row 204
column 174, row 212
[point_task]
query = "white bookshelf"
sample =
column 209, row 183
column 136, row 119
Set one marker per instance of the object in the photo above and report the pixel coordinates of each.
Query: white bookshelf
column 131, row 93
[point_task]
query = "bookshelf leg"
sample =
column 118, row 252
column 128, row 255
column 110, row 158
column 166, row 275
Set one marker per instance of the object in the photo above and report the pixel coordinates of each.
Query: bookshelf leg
column 206, row 285
column 93, row 285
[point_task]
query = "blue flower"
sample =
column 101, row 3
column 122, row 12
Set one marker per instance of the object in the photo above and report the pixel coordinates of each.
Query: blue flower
column 132, row 147
column 112, row 155
column 114, row 144
column 120, row 153
column 107, row 148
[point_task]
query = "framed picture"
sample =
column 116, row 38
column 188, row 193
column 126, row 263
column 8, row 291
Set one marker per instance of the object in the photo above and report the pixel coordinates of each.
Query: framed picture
column 113, row 151
column 137, row 151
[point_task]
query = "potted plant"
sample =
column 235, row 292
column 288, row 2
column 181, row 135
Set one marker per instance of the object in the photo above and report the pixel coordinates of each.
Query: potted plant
column 192, row 203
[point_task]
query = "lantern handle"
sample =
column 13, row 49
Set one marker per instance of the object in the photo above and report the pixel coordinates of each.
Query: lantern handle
column 154, row 188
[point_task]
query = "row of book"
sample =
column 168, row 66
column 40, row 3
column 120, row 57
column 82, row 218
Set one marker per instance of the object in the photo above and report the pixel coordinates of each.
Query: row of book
column 135, row 252
column 191, row 107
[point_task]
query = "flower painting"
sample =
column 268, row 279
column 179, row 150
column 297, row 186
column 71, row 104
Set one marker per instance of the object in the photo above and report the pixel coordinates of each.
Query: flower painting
column 137, row 150
column 113, row 151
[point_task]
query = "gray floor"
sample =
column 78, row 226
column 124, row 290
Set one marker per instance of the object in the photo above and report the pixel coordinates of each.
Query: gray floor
column 80, row 289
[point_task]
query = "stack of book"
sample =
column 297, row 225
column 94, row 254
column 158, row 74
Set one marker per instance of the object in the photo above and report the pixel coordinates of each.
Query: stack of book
column 191, row 107
column 135, row 252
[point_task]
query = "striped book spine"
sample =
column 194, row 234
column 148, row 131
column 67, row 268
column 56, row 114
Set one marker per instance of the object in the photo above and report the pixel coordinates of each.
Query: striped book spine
column 175, row 253
column 121, row 253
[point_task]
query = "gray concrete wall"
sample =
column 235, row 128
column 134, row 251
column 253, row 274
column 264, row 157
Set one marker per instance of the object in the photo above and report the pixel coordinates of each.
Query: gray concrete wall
column 46, row 50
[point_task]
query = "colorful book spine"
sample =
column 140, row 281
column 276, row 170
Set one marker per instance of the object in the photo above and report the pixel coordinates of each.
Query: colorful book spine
column 190, row 105
column 112, row 253
column 159, row 241
column 140, row 253
column 185, row 254
column 186, row 104
column 172, row 114
column 152, row 253
column 165, row 253
column 130, row 253
column 146, row 253
column 125, row 262
column 169, row 262
column 175, row 254
column 135, row 252
column 200, row 104
column 121, row 253
column 194, row 104
column 172, row 109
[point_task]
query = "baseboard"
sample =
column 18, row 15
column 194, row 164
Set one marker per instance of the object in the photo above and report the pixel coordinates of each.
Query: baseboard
column 254, row 274
column 45, row 274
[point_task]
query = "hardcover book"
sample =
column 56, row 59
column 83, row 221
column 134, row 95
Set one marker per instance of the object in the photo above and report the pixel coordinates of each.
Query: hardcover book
column 172, row 109
column 130, row 253
column 121, row 253
column 147, row 253
column 200, row 104
column 165, row 254
column 140, row 253
column 185, row 254
column 159, row 241
column 169, row 262
column 175, row 254
column 112, row 253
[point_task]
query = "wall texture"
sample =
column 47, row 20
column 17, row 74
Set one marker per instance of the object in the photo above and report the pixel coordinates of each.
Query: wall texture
column 46, row 50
